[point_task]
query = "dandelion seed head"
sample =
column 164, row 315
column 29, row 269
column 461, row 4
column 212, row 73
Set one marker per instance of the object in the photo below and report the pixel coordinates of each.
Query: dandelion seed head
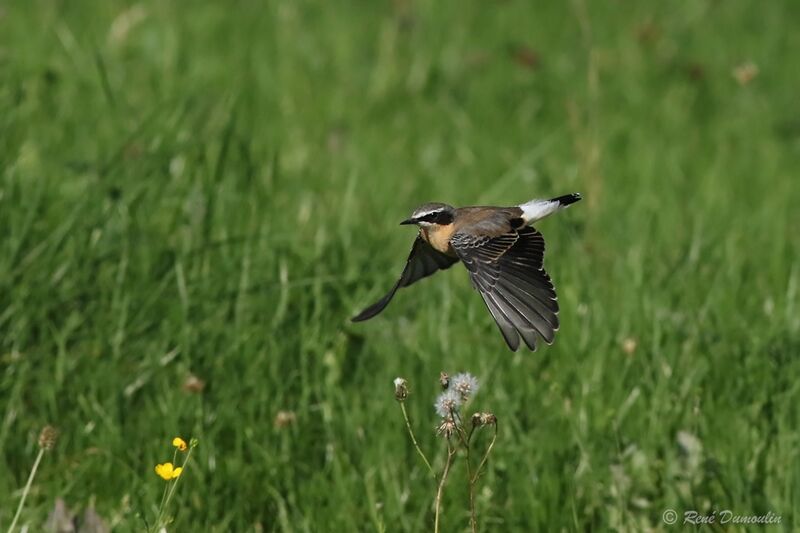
column 447, row 402
column 465, row 384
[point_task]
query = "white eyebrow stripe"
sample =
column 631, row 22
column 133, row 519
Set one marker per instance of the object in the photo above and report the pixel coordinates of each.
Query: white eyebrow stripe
column 426, row 213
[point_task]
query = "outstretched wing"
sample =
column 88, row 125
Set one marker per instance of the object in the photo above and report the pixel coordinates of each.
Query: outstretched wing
column 507, row 270
column 422, row 262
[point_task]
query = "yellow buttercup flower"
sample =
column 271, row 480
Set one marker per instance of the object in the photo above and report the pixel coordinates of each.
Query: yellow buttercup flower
column 167, row 471
column 179, row 443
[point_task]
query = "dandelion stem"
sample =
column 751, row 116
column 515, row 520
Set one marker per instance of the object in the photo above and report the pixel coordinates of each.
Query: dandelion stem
column 26, row 489
column 451, row 451
column 473, row 478
column 456, row 418
column 485, row 455
column 414, row 440
column 473, row 520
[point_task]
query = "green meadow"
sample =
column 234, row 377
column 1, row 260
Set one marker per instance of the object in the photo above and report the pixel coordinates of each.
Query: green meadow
column 195, row 197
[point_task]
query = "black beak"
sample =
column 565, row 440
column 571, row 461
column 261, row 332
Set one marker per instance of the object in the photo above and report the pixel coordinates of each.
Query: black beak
column 407, row 221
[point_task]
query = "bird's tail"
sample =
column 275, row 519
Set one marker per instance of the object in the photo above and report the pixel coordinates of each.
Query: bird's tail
column 538, row 209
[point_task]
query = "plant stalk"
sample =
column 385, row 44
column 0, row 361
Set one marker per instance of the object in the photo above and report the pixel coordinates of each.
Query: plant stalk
column 414, row 440
column 26, row 490
column 451, row 451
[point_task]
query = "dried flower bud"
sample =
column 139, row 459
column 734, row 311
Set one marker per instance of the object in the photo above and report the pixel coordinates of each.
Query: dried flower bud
column 193, row 384
column 483, row 419
column 447, row 428
column 444, row 380
column 400, row 389
column 745, row 72
column 476, row 420
column 48, row 437
column 629, row 345
column 284, row 419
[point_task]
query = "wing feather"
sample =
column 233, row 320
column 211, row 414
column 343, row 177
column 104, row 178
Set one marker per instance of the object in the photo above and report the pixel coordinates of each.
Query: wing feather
column 508, row 272
column 503, row 322
column 422, row 262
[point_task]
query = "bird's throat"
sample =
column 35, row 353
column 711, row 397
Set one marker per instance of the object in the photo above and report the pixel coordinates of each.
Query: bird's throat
column 438, row 236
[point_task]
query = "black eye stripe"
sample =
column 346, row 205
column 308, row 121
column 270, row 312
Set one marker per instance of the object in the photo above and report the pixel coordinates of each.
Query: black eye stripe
column 444, row 218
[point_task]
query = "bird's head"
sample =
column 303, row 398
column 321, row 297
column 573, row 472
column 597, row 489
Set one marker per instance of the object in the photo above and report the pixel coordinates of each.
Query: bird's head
column 433, row 214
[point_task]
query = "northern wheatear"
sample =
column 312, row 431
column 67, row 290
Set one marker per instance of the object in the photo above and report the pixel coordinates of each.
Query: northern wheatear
column 504, row 257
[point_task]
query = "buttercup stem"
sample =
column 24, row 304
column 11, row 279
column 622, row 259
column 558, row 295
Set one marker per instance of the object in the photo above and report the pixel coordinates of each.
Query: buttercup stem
column 172, row 488
column 162, row 506
column 175, row 484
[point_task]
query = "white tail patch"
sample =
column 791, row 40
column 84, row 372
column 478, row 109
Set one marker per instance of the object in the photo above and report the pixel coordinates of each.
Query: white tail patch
column 538, row 209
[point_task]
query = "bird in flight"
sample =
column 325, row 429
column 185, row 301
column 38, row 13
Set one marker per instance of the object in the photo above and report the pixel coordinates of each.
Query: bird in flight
column 504, row 257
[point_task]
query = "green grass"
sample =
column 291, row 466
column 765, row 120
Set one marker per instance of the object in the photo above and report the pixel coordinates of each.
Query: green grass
column 216, row 189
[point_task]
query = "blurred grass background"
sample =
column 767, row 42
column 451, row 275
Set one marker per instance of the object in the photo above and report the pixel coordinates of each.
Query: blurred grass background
column 212, row 189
